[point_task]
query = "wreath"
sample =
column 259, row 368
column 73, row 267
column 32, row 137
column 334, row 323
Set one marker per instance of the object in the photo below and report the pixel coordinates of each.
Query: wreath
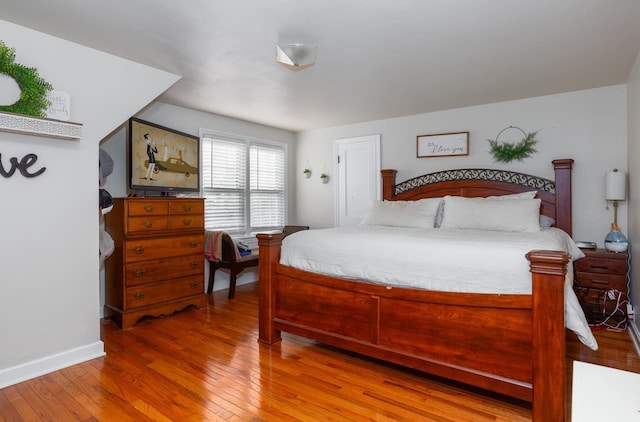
column 33, row 89
column 505, row 152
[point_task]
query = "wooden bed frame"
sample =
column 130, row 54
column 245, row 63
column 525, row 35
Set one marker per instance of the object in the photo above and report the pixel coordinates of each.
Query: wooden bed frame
column 509, row 344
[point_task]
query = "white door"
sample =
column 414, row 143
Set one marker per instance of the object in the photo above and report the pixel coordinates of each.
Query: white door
column 358, row 170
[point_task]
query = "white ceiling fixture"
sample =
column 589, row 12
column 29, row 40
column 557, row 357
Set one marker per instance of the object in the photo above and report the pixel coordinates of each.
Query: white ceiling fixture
column 296, row 56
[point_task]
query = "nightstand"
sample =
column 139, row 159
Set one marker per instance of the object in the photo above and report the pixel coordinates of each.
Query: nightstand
column 601, row 284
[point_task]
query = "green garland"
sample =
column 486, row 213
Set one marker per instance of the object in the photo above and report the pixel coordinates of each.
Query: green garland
column 504, row 152
column 33, row 89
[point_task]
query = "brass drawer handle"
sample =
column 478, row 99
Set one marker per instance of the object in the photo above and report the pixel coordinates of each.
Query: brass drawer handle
column 187, row 207
column 194, row 284
column 138, row 250
column 140, row 272
column 193, row 265
column 139, row 295
column 194, row 244
column 148, row 224
column 186, row 221
column 149, row 208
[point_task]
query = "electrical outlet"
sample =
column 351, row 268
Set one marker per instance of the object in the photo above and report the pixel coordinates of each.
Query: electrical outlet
column 630, row 312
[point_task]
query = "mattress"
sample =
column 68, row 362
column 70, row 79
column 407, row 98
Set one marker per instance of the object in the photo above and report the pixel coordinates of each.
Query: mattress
column 453, row 260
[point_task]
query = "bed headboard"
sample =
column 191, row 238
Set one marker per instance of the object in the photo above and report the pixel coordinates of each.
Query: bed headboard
column 554, row 194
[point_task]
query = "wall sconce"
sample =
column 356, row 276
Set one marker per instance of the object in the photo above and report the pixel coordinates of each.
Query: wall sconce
column 296, row 56
column 615, row 190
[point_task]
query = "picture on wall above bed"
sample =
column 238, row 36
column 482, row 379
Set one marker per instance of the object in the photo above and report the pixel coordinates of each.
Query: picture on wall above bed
column 443, row 145
column 162, row 159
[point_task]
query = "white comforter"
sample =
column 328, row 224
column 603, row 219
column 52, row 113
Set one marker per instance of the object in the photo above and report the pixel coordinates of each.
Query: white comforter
column 474, row 261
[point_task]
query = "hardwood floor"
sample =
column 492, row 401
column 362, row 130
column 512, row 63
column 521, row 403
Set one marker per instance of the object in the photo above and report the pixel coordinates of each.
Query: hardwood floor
column 206, row 365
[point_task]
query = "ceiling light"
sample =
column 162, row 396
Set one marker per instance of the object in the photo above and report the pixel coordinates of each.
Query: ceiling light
column 296, row 56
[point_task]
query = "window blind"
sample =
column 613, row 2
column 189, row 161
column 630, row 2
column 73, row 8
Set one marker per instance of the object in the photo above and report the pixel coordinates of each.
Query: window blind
column 243, row 185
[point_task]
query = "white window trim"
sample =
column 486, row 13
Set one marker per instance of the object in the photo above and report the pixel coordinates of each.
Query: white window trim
column 204, row 132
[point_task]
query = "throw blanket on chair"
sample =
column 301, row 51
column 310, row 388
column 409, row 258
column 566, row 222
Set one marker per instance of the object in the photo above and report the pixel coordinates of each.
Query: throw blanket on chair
column 213, row 245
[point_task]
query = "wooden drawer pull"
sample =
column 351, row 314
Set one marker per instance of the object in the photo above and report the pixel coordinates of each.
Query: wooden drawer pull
column 186, row 221
column 193, row 265
column 138, row 250
column 149, row 208
column 600, row 267
column 194, row 244
column 139, row 295
column 596, row 281
column 148, row 224
column 187, row 207
column 141, row 272
column 194, row 284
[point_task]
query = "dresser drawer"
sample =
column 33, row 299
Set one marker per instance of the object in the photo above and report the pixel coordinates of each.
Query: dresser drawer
column 186, row 222
column 186, row 207
column 147, row 207
column 601, row 266
column 165, row 247
column 601, row 281
column 151, row 294
column 143, row 272
column 149, row 223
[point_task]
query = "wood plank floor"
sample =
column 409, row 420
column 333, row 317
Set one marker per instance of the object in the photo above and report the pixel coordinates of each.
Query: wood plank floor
column 206, row 365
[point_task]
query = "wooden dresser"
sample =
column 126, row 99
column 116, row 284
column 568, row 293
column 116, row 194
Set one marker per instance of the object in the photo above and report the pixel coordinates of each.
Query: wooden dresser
column 157, row 266
column 600, row 282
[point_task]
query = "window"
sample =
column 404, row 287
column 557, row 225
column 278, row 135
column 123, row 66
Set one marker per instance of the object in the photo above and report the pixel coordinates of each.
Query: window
column 243, row 183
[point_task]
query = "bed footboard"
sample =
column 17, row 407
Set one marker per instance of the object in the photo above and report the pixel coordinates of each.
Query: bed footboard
column 509, row 344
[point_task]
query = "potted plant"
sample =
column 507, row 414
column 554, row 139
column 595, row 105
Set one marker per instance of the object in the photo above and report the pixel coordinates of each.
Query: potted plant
column 307, row 173
column 324, row 177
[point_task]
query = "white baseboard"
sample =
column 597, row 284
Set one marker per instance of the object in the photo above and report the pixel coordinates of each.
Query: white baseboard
column 42, row 366
column 634, row 333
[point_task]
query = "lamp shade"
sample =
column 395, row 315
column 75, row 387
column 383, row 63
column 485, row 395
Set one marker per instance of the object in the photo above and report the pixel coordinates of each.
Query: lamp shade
column 616, row 186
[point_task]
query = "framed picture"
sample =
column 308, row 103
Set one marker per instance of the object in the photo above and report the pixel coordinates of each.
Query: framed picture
column 162, row 159
column 443, row 145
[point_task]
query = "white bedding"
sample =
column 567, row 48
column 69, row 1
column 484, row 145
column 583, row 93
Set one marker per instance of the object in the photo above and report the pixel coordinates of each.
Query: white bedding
column 456, row 260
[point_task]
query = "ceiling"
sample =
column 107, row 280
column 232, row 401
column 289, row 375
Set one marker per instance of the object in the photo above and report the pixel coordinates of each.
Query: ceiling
column 376, row 59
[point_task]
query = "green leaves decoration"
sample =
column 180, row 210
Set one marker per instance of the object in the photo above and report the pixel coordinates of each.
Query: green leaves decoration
column 33, row 89
column 505, row 152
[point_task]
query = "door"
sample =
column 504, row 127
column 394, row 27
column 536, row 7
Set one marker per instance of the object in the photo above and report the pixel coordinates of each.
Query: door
column 358, row 184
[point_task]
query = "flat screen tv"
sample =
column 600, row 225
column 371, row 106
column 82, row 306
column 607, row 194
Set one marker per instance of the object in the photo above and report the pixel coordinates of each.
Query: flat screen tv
column 162, row 160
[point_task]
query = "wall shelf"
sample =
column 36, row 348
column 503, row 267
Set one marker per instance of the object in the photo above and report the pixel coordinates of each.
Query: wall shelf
column 38, row 126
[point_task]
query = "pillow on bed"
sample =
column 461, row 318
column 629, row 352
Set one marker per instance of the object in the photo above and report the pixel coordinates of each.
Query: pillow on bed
column 523, row 195
column 421, row 213
column 546, row 222
column 511, row 215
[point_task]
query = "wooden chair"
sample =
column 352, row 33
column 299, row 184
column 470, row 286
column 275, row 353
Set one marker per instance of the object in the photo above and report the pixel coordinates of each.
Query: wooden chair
column 235, row 264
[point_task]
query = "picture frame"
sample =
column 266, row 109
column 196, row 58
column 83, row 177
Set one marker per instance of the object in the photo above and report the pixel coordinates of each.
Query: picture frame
column 442, row 145
column 176, row 155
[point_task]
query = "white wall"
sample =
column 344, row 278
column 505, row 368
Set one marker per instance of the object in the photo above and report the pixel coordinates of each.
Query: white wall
column 633, row 156
column 49, row 265
column 190, row 121
column 588, row 126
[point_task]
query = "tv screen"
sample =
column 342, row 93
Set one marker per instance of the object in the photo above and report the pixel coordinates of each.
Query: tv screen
column 162, row 159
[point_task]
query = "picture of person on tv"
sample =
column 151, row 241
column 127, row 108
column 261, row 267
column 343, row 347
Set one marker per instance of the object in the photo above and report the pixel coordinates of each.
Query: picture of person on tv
column 152, row 150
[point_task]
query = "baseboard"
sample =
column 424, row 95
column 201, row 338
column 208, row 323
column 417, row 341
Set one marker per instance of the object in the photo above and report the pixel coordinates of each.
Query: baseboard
column 634, row 333
column 33, row 369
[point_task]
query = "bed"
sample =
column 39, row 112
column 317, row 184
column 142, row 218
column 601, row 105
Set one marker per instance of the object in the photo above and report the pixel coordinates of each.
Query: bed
column 511, row 344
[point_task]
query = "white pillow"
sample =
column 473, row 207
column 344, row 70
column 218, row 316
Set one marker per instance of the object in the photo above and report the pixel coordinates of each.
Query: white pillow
column 421, row 213
column 521, row 195
column 512, row 215
column 546, row 222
